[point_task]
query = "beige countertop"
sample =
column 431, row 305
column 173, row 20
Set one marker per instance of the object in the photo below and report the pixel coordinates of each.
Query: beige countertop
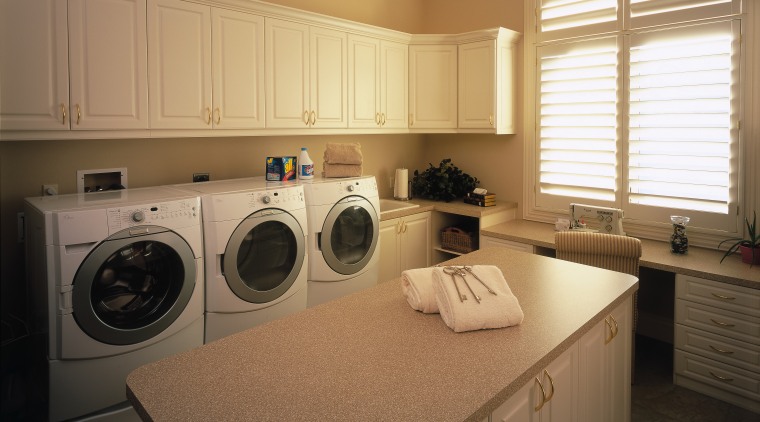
column 454, row 207
column 697, row 262
column 369, row 356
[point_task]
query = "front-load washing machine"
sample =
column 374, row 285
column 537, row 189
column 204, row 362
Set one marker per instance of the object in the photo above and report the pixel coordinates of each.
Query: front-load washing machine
column 116, row 282
column 255, row 248
column 344, row 225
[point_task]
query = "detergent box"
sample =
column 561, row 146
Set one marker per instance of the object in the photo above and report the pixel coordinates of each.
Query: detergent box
column 281, row 168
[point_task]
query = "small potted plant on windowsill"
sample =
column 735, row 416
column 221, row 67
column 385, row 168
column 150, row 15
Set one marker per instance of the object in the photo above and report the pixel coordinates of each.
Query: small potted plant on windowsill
column 749, row 246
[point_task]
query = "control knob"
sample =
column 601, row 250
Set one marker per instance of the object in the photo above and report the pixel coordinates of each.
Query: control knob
column 138, row 216
column 351, row 188
column 266, row 199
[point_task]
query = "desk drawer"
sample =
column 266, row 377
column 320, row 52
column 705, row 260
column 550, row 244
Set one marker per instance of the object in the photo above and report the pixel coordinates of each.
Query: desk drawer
column 723, row 377
column 722, row 349
column 722, row 295
column 718, row 321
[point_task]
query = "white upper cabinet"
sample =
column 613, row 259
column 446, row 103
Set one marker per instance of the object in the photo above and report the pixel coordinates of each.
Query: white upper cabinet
column 377, row 83
column 486, row 84
column 433, row 86
column 179, row 37
column 238, row 69
column 197, row 84
column 306, row 76
column 78, row 65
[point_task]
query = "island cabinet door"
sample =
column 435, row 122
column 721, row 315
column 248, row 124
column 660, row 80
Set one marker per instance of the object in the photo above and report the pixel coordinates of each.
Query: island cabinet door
column 552, row 395
column 605, row 368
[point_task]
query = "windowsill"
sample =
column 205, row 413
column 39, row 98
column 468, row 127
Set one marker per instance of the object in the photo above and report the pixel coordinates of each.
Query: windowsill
column 698, row 262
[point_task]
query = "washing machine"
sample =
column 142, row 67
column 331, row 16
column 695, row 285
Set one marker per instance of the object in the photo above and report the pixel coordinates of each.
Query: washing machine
column 116, row 281
column 255, row 248
column 344, row 225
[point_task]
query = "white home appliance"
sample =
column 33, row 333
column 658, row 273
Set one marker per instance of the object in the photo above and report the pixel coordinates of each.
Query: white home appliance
column 599, row 219
column 255, row 248
column 344, row 226
column 116, row 281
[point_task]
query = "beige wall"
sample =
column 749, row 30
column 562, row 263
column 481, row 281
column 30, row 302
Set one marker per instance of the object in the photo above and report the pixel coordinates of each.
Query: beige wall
column 26, row 165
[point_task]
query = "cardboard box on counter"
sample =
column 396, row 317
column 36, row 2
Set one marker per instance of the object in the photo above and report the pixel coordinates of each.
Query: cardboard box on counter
column 281, row 168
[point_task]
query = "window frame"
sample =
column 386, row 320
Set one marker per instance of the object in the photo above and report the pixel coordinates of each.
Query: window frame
column 746, row 155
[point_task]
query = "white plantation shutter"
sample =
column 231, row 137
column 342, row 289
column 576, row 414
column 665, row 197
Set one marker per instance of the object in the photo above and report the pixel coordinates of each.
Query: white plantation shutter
column 680, row 128
column 657, row 12
column 563, row 18
column 578, row 122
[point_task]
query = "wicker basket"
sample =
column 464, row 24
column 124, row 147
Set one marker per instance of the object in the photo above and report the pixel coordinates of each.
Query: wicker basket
column 457, row 240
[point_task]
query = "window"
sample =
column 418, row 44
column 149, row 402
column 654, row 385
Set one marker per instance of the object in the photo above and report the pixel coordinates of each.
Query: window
column 637, row 105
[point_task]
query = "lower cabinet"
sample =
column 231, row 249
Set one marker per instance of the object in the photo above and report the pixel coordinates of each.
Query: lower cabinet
column 717, row 340
column 590, row 381
column 404, row 243
column 552, row 394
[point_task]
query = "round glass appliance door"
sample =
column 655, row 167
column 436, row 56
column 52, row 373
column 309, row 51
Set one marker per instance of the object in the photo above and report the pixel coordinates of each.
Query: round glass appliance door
column 264, row 256
column 133, row 285
column 349, row 235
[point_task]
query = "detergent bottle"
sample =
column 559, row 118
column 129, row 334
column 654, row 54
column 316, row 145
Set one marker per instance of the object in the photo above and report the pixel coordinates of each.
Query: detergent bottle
column 305, row 165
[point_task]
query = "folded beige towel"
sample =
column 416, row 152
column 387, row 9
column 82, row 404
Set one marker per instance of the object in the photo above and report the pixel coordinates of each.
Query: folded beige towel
column 494, row 311
column 342, row 170
column 343, row 153
column 417, row 286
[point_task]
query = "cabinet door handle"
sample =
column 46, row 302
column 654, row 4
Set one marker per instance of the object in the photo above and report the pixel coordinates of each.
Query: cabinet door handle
column 218, row 115
column 383, row 115
column 208, row 115
column 63, row 113
column 543, row 396
column 398, row 228
column 726, row 379
column 615, row 332
column 727, row 352
column 79, row 114
column 411, row 119
column 607, row 340
column 490, row 120
column 723, row 297
column 313, row 117
column 404, row 224
column 551, row 384
column 306, row 117
column 722, row 324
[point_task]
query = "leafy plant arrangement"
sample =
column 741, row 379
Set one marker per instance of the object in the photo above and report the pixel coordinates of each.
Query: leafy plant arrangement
column 752, row 242
column 445, row 182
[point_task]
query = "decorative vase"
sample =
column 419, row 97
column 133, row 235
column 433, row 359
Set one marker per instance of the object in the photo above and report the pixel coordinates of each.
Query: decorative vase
column 747, row 255
column 679, row 243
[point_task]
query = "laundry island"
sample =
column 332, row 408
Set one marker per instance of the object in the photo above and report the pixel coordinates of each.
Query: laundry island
column 369, row 356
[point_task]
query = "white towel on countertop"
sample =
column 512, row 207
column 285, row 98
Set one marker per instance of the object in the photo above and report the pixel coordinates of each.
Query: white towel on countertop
column 417, row 286
column 494, row 311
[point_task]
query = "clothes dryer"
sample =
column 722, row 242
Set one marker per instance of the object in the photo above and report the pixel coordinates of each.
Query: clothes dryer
column 344, row 226
column 116, row 282
column 255, row 248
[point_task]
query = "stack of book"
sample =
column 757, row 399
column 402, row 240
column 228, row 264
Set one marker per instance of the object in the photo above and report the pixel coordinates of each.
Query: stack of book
column 481, row 200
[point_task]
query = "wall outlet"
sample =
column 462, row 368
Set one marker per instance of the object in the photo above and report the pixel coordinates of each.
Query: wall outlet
column 50, row 189
column 201, row 177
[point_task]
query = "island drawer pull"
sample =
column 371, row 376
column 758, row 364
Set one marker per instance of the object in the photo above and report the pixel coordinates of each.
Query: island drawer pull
column 727, row 352
column 722, row 324
column 726, row 379
column 551, row 383
column 723, row 297
column 543, row 395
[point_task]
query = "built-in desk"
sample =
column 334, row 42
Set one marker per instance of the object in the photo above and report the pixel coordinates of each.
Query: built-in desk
column 698, row 262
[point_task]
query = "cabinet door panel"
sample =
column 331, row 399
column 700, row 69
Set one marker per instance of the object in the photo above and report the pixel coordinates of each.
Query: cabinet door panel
column 433, row 86
column 179, row 49
column 287, row 74
column 416, row 243
column 363, row 82
column 328, row 67
column 389, row 250
column 108, row 62
column 238, row 69
column 34, row 67
column 394, row 76
column 476, row 85
column 564, row 373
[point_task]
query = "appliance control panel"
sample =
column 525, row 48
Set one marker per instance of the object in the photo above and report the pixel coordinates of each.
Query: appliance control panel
column 289, row 198
column 366, row 187
column 172, row 215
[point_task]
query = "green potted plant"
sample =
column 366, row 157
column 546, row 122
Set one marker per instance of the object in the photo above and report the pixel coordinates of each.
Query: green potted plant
column 442, row 183
column 749, row 246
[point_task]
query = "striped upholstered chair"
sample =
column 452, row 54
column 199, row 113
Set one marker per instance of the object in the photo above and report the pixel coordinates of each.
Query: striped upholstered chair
column 608, row 251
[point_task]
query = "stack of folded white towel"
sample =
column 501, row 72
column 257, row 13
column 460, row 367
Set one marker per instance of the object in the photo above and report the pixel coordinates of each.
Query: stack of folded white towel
column 343, row 160
column 432, row 290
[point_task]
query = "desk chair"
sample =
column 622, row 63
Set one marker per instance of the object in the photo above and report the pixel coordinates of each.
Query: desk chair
column 608, row 251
